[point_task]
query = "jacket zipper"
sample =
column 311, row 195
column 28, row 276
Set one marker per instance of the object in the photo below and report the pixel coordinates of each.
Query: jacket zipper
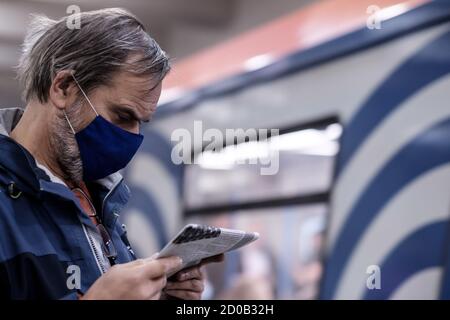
column 88, row 233
column 90, row 238
column 103, row 214
column 94, row 250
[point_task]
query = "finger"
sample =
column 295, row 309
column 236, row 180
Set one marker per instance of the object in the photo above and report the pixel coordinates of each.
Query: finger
column 184, row 294
column 156, row 296
column 171, row 264
column 135, row 263
column 195, row 272
column 190, row 285
column 153, row 287
column 161, row 267
column 152, row 257
column 160, row 283
column 190, row 273
column 213, row 259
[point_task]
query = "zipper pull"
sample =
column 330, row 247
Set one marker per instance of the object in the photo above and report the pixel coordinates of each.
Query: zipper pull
column 125, row 240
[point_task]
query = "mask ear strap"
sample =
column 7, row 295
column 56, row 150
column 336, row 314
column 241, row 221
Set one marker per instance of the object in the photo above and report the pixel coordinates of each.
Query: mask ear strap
column 84, row 94
column 70, row 125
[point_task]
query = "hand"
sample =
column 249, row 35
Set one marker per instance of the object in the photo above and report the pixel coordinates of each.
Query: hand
column 136, row 280
column 188, row 284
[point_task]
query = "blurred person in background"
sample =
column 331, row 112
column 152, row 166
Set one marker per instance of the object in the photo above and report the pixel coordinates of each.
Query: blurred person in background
column 248, row 274
column 87, row 92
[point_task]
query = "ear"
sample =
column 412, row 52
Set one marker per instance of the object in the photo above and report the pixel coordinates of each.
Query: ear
column 63, row 92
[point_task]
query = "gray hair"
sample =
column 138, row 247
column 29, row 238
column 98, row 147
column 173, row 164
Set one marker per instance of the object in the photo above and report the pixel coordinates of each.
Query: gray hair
column 108, row 41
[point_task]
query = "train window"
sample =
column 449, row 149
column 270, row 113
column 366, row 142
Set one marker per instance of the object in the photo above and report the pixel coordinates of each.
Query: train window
column 288, row 209
column 304, row 159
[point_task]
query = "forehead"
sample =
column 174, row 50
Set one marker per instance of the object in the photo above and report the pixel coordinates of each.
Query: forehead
column 144, row 89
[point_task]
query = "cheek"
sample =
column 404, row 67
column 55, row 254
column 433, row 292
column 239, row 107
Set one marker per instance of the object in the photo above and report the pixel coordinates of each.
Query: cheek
column 85, row 118
column 136, row 129
column 80, row 115
column 130, row 126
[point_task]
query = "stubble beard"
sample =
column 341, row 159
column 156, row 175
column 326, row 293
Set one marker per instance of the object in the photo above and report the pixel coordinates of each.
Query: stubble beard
column 65, row 146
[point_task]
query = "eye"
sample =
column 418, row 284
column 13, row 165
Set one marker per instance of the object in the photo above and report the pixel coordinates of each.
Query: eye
column 124, row 117
column 127, row 121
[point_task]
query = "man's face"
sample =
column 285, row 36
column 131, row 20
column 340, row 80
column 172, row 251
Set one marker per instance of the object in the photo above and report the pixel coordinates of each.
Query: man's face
column 127, row 103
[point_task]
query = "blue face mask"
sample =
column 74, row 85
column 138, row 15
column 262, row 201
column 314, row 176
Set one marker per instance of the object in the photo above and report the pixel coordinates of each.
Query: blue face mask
column 104, row 147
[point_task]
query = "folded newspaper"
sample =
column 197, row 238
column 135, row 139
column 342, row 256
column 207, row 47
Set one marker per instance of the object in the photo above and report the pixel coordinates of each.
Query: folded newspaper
column 196, row 242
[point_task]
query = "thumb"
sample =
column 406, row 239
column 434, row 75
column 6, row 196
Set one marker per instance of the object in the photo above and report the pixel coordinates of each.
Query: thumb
column 152, row 257
column 171, row 264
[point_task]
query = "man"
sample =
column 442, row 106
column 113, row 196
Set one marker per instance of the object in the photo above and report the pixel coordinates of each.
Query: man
column 87, row 91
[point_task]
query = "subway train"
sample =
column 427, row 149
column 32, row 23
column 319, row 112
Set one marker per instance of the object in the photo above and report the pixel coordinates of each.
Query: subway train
column 356, row 100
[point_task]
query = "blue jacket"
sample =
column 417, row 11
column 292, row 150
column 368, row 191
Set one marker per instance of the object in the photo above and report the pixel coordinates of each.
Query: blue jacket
column 45, row 238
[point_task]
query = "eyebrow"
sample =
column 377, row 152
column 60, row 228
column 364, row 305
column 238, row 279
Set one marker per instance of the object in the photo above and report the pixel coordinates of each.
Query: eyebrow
column 128, row 110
